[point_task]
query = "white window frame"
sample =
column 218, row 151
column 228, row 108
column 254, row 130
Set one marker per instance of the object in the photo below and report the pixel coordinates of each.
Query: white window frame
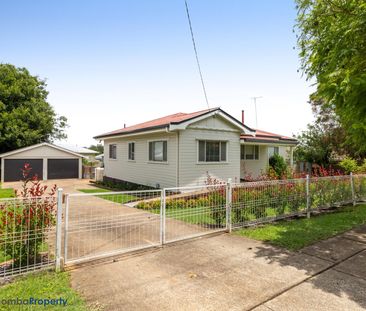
column 212, row 162
column 245, row 159
column 133, row 153
column 109, row 152
column 148, row 151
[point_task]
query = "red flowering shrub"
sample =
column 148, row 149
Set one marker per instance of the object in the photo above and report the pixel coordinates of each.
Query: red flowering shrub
column 25, row 220
column 216, row 199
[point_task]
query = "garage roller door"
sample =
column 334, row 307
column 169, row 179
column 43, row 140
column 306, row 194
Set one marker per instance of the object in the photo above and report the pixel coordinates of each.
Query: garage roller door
column 63, row 168
column 13, row 168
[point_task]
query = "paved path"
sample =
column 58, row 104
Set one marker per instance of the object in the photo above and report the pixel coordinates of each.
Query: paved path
column 229, row 272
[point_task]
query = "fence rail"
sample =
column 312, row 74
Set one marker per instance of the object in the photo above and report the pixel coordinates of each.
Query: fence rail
column 42, row 232
column 27, row 234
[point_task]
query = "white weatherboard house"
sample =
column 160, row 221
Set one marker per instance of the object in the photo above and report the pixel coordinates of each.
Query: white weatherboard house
column 181, row 149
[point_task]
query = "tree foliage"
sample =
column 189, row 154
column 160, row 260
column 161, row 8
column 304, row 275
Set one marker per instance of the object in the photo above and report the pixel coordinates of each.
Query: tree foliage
column 332, row 44
column 26, row 117
column 324, row 141
column 98, row 148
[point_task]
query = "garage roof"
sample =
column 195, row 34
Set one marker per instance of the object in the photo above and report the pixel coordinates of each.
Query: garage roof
column 6, row 154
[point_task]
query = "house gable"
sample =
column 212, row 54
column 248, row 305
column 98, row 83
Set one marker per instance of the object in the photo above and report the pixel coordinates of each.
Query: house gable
column 215, row 123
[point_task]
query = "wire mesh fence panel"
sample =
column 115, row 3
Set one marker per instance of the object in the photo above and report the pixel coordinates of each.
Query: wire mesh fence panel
column 256, row 202
column 359, row 182
column 27, row 234
column 330, row 191
column 103, row 224
column 194, row 211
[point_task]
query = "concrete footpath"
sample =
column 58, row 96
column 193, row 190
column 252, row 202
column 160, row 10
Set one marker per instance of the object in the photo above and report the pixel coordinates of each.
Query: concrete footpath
column 228, row 272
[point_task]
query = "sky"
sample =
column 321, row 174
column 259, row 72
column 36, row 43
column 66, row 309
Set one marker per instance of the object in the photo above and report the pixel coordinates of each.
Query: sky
column 114, row 62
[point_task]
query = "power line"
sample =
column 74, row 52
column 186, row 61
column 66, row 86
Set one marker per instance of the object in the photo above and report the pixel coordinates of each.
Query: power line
column 196, row 53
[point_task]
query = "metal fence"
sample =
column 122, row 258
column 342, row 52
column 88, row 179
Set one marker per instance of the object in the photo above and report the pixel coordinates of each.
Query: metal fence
column 27, row 234
column 193, row 211
column 108, row 223
column 256, row 202
column 42, row 232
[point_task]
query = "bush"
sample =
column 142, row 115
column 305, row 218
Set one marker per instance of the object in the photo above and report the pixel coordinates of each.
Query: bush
column 278, row 166
column 23, row 222
column 349, row 165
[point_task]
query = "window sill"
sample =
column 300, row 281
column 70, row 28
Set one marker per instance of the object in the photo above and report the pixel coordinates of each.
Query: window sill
column 158, row 162
column 133, row 161
column 212, row 163
column 110, row 159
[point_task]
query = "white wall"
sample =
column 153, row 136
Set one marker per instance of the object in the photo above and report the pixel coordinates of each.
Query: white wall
column 42, row 152
column 191, row 172
column 256, row 167
column 141, row 171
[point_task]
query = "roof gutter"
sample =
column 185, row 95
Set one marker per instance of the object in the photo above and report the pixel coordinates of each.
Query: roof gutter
column 134, row 133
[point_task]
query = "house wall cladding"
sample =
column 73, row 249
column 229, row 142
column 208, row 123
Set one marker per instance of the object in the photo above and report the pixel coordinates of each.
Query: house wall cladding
column 141, row 170
column 192, row 172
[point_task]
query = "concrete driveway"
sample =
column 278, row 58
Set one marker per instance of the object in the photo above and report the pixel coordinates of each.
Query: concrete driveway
column 228, row 272
column 68, row 185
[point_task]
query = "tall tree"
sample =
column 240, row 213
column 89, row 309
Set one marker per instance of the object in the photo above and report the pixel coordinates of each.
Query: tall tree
column 26, row 117
column 332, row 44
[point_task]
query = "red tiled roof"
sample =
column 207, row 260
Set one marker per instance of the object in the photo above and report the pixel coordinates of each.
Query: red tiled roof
column 157, row 123
column 181, row 117
column 263, row 136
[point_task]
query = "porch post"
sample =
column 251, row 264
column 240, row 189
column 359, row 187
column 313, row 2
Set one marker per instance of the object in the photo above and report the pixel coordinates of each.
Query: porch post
column 292, row 157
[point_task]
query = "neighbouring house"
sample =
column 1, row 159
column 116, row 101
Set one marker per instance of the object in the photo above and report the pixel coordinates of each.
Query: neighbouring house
column 88, row 154
column 47, row 161
column 181, row 149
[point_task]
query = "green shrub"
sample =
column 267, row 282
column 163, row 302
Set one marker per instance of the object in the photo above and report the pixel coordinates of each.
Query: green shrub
column 349, row 165
column 24, row 222
column 278, row 165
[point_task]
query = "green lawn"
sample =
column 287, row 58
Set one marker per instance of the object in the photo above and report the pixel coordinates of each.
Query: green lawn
column 45, row 285
column 6, row 193
column 117, row 198
column 297, row 233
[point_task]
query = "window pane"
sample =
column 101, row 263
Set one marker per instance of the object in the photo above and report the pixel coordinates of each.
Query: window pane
column 276, row 150
column 201, row 151
column 131, row 151
column 212, row 151
column 223, row 151
column 249, row 152
column 165, row 151
column 242, row 152
column 158, row 151
column 112, row 151
column 151, row 151
column 256, row 155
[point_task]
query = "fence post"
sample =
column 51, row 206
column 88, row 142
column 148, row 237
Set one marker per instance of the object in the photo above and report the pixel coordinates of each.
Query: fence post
column 352, row 189
column 307, row 196
column 228, row 204
column 66, row 226
column 58, row 230
column 162, row 216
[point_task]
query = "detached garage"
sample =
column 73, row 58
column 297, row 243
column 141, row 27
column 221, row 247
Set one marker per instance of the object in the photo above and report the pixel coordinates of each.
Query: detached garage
column 46, row 160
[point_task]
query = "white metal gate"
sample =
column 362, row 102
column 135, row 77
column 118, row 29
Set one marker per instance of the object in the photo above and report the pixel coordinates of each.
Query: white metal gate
column 109, row 223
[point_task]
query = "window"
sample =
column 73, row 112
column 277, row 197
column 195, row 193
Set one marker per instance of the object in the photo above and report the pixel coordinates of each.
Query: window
column 158, row 151
column 249, row 152
column 272, row 151
column 131, row 151
column 212, row 151
column 113, row 151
